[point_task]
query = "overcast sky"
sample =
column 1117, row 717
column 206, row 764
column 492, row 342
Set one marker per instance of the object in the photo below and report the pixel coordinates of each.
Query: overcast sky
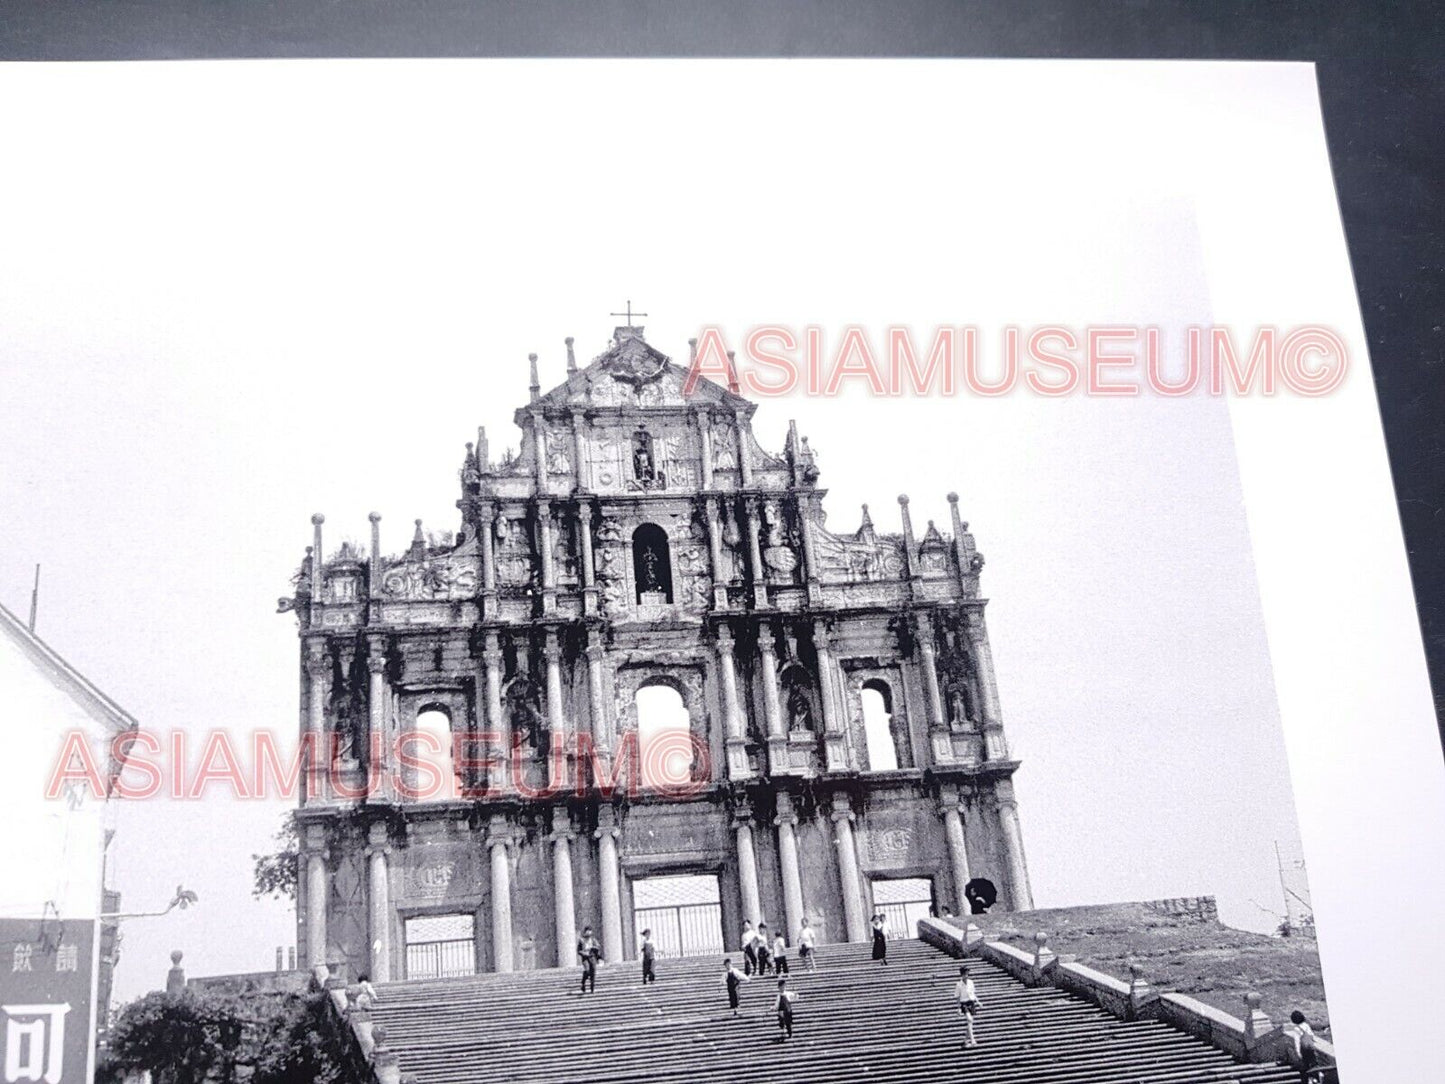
column 232, row 295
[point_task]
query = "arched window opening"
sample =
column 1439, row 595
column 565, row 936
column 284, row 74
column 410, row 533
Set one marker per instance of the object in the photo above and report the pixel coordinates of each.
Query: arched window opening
column 878, row 726
column 432, row 745
column 651, row 564
column 664, row 737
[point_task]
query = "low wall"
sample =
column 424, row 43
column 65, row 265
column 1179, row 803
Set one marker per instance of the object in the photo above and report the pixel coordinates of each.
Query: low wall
column 1253, row 1039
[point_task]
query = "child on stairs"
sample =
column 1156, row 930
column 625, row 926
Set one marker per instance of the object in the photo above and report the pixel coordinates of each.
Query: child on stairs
column 734, row 980
column 784, row 1007
column 968, row 1003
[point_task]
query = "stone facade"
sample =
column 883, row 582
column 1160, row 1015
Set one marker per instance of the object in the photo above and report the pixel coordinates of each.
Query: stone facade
column 642, row 538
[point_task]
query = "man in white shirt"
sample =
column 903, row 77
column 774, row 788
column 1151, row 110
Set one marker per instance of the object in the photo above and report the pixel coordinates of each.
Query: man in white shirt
column 967, row 996
column 806, row 944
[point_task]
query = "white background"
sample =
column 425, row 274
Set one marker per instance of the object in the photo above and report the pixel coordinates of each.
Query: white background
column 234, row 294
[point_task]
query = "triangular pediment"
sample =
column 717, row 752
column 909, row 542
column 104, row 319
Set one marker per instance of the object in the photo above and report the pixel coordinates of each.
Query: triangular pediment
column 632, row 371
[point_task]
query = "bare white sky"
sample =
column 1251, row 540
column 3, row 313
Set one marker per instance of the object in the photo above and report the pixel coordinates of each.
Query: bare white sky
column 235, row 294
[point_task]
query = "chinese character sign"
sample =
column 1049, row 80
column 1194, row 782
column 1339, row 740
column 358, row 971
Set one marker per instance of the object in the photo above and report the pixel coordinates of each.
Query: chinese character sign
column 45, row 1012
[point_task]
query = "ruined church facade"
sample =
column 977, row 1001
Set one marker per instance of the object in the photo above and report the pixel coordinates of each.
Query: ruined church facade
column 838, row 694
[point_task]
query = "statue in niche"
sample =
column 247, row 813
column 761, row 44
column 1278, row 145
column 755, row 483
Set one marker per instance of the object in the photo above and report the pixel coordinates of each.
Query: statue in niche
column 524, row 714
column 960, row 706
column 651, row 574
column 644, row 465
column 558, row 462
column 800, row 710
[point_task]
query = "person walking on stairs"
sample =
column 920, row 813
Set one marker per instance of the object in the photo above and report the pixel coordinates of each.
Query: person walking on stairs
column 750, row 948
column 806, row 945
column 880, row 938
column 968, row 1004
column 649, row 957
column 784, row 1007
column 780, row 954
column 589, row 949
column 734, row 980
column 765, row 954
column 1306, row 1056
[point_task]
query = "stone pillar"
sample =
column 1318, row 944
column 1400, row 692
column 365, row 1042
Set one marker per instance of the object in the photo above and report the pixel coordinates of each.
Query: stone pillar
column 498, row 840
column 374, row 571
column 498, row 740
column 609, row 873
column 379, row 884
column 318, row 567
column 747, row 866
column 952, row 813
column 910, row 549
column 961, row 552
column 786, row 822
column 318, row 888
column 486, row 539
column 745, row 457
column 579, row 455
column 854, row 919
column 772, row 705
column 544, row 544
column 810, row 550
column 318, row 670
column 1021, row 896
column 755, row 553
column 737, row 756
column 588, row 570
column 995, row 745
column 597, row 698
column 539, row 444
column 939, row 738
column 704, row 436
column 379, row 738
column 714, row 545
column 561, row 840
column 556, row 715
column 835, row 743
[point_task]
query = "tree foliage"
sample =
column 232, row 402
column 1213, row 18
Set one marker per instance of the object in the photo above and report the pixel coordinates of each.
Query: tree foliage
column 275, row 874
column 260, row 1038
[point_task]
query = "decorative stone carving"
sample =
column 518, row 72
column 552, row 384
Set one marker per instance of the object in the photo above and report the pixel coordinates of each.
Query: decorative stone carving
column 431, row 579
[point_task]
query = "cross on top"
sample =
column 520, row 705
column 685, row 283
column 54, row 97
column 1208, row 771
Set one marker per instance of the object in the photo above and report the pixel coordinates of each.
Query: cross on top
column 629, row 313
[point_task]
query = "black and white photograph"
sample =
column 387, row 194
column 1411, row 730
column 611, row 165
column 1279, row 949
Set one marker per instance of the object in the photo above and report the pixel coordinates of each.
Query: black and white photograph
column 699, row 568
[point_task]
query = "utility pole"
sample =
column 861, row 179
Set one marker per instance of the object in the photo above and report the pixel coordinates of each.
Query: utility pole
column 35, row 599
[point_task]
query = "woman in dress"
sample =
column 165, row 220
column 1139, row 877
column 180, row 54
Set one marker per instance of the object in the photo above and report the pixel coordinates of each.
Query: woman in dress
column 880, row 938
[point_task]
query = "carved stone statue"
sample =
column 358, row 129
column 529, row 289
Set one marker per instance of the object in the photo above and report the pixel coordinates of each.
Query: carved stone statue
column 800, row 710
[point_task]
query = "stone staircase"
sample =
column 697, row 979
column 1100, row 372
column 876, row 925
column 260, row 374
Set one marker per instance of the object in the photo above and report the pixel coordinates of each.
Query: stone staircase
column 854, row 1020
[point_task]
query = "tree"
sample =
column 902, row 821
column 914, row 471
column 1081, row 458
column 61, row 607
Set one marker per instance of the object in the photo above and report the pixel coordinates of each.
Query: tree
column 275, row 873
column 262, row 1038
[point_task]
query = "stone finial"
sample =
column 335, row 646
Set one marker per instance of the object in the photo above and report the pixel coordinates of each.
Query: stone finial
column 317, row 519
column 953, row 498
column 733, row 372
column 536, row 385
column 1257, row 1023
column 483, row 453
column 571, row 355
column 692, row 351
column 375, row 517
column 175, row 977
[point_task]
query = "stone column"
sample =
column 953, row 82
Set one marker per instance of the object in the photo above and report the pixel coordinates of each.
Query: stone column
column 714, row 545
column 379, row 739
column 318, row 569
column 704, row 435
column 772, row 705
column 1021, row 896
column 745, row 457
column 995, row 746
column 318, row 888
column 737, row 756
column 498, row 840
column 939, row 738
column 961, row 550
column 561, row 841
column 579, row 456
column 318, row 670
column 810, row 551
column 499, row 779
column 486, row 539
column 609, row 873
column 747, row 866
column 380, row 899
column 835, row 744
column 910, row 549
column 855, row 921
column 539, row 443
column 597, row 697
column 588, row 570
column 556, row 715
column 544, row 543
column 952, row 812
column 786, row 822
column 755, row 553
column 373, row 578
